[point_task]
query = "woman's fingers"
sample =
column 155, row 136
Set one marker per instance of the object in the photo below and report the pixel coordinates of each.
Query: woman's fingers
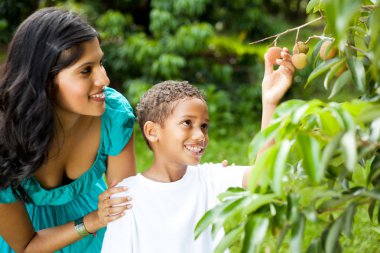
column 119, row 200
column 110, row 191
column 111, row 208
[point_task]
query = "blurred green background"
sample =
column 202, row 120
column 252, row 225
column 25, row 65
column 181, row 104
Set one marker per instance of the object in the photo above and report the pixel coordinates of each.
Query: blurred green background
column 205, row 42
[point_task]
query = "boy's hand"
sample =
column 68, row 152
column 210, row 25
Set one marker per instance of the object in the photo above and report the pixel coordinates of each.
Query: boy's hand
column 277, row 82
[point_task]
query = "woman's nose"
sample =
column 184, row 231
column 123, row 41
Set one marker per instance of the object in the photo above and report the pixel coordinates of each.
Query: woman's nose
column 102, row 78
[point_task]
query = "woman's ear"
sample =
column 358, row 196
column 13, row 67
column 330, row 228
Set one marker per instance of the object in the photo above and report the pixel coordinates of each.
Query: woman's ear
column 151, row 131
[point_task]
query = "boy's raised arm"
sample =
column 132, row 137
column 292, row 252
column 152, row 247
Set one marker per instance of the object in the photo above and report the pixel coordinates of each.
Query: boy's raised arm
column 274, row 86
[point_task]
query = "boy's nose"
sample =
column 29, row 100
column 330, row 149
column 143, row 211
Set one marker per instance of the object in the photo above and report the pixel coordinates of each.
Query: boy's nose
column 198, row 135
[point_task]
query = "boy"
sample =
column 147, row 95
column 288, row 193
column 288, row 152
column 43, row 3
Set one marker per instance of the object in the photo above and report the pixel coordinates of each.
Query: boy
column 175, row 192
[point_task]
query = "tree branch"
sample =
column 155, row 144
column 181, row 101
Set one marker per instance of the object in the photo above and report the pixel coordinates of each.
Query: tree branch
column 276, row 36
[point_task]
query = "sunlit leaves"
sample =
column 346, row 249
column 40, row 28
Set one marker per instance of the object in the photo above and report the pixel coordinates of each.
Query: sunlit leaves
column 310, row 151
column 340, row 82
column 339, row 15
column 358, row 73
column 322, row 68
column 324, row 162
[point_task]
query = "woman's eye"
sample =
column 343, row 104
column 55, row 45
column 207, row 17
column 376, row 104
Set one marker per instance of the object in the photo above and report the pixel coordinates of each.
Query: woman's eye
column 87, row 70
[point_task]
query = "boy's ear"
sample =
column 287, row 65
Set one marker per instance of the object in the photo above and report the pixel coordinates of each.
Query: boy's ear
column 150, row 131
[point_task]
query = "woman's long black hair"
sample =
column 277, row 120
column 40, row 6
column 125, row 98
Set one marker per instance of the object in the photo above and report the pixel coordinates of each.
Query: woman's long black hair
column 45, row 43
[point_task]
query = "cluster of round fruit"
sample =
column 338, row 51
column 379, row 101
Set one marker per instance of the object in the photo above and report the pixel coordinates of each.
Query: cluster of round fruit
column 300, row 49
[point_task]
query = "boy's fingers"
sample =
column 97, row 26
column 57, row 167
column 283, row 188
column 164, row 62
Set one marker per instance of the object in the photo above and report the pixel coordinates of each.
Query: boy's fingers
column 287, row 64
column 268, row 65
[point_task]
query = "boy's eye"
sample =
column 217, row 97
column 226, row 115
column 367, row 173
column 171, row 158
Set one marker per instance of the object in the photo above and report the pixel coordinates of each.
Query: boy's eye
column 187, row 122
column 205, row 126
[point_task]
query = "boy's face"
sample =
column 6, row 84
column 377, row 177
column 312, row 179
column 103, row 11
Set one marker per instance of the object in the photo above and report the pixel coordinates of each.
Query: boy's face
column 183, row 137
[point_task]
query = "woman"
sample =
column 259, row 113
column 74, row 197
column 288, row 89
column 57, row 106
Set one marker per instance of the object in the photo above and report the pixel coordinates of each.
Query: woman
column 61, row 128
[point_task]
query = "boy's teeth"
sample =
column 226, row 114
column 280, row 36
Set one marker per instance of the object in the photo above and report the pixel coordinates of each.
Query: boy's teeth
column 194, row 149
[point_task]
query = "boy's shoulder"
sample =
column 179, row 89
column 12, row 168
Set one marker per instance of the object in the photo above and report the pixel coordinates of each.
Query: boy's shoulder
column 129, row 181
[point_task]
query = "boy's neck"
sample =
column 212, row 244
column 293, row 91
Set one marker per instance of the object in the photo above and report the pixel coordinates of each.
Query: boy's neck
column 165, row 173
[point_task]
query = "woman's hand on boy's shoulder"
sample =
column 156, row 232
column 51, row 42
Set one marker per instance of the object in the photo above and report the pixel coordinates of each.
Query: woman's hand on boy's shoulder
column 109, row 208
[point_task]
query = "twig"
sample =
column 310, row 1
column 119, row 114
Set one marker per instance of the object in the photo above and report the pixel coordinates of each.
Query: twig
column 318, row 37
column 276, row 36
column 357, row 49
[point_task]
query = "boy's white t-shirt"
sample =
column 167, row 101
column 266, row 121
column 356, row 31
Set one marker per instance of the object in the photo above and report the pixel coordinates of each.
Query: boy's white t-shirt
column 164, row 215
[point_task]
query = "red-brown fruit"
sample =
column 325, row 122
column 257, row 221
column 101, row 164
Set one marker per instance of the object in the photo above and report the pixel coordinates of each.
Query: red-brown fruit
column 341, row 70
column 300, row 47
column 331, row 50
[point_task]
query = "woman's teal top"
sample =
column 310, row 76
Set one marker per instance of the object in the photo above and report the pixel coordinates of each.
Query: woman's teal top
column 66, row 203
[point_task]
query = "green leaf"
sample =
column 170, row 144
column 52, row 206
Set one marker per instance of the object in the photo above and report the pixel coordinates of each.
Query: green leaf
column 339, row 14
column 375, row 26
column 208, row 218
column 369, row 114
column 374, row 194
column 287, row 108
column 340, row 82
column 375, row 130
column 296, row 240
column 321, row 68
column 348, row 145
column 233, row 214
column 315, row 54
column 229, row 239
column 281, row 237
column 261, row 139
column 348, row 220
column 299, row 113
column 233, row 192
column 333, row 203
column 344, row 118
column 310, row 149
column 358, row 73
column 257, row 201
column 332, row 240
column 255, row 231
column 279, row 165
column 263, row 164
column 312, row 6
column 328, row 123
column 315, row 246
column 293, row 212
column 330, row 75
column 328, row 153
column 371, row 209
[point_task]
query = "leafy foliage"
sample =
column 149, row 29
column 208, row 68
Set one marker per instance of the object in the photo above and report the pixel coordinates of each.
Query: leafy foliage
column 324, row 164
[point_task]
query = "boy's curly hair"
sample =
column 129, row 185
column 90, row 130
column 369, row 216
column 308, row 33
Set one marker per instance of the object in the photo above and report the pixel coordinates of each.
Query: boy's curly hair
column 158, row 102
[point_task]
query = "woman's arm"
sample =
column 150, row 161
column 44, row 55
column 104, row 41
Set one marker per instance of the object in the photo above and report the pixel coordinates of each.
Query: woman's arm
column 123, row 165
column 17, row 229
